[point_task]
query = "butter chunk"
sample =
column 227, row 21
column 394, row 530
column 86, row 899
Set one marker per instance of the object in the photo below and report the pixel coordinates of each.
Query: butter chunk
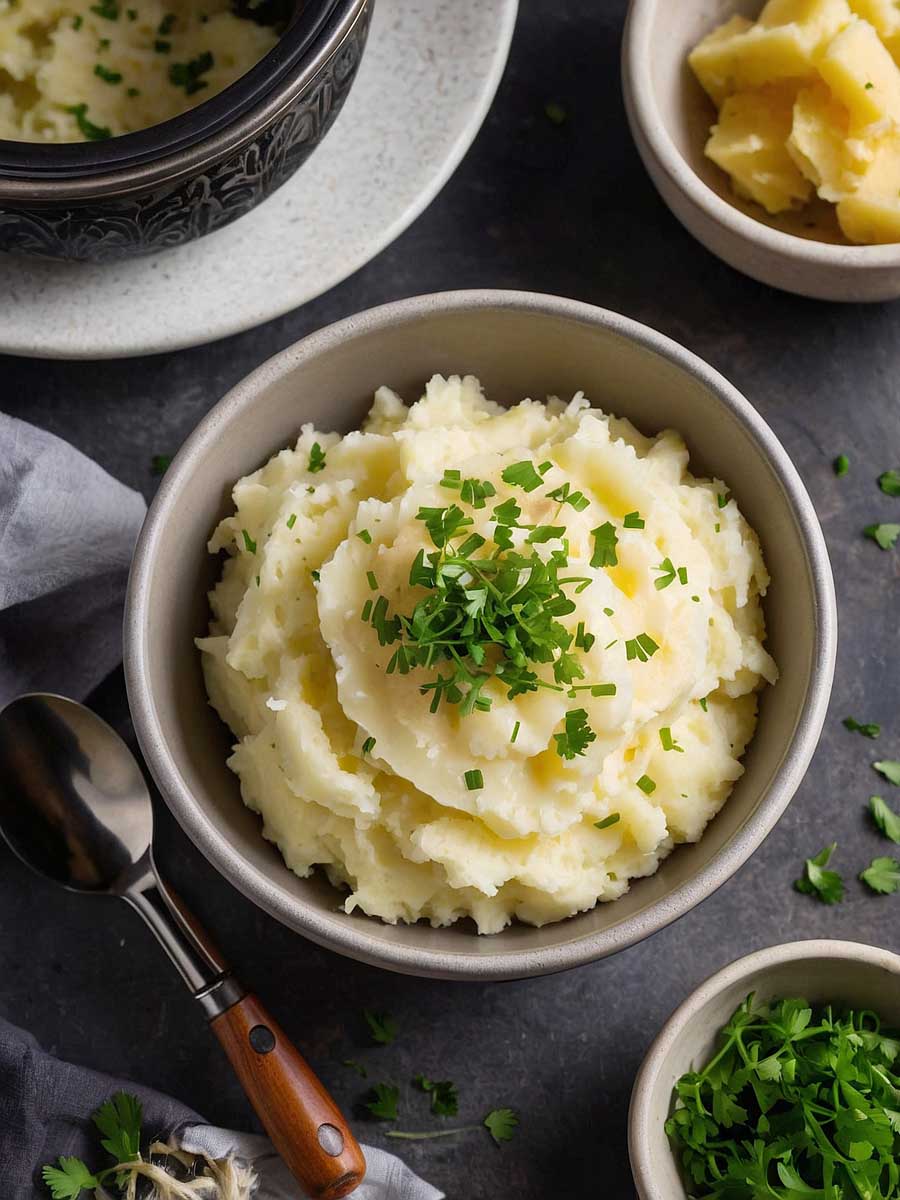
column 871, row 215
column 862, row 75
column 750, row 143
column 817, row 142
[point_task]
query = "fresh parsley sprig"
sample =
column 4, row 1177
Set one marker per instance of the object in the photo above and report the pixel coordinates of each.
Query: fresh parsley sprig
column 119, row 1121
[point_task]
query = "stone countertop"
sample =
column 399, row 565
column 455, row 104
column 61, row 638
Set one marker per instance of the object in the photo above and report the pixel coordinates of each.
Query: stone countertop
column 565, row 209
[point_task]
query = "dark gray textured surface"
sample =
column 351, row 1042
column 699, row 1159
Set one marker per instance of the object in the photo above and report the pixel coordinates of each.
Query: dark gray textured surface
column 560, row 209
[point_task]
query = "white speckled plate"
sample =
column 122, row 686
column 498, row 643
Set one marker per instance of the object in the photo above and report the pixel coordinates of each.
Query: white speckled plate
column 427, row 79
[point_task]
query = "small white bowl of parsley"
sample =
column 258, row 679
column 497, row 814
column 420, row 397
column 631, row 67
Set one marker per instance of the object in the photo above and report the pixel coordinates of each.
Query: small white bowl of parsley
column 779, row 1078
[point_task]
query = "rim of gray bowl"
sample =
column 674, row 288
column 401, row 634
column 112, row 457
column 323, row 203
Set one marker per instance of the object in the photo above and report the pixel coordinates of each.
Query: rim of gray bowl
column 337, row 933
column 640, row 1115
column 640, row 97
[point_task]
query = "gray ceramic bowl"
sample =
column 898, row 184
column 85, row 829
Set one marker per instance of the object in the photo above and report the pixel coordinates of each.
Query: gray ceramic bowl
column 518, row 344
column 670, row 116
column 840, row 973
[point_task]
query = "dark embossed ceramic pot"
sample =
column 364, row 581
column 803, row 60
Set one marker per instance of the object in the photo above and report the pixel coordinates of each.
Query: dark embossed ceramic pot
column 183, row 178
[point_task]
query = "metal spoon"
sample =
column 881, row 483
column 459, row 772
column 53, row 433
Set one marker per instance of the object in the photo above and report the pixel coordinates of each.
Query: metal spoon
column 74, row 807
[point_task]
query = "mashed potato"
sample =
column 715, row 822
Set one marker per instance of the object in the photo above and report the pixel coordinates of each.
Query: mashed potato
column 73, row 71
column 534, row 805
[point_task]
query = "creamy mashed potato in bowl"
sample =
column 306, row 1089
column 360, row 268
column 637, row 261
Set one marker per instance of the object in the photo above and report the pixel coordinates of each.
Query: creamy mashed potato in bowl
column 433, row 821
column 497, row 692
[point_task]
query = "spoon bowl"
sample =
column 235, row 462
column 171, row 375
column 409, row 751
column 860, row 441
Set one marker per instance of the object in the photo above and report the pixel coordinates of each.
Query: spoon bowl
column 74, row 805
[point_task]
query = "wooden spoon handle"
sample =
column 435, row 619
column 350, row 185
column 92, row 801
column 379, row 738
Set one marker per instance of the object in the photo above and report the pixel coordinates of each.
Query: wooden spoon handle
column 299, row 1116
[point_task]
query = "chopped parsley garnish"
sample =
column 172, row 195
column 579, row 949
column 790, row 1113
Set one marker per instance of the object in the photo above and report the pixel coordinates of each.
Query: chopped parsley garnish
column 249, row 543
column 382, row 1027
column 131, row 14
column 364, row 536
column 841, row 465
column 565, row 495
column 474, row 780
column 868, row 728
column 668, row 742
column 882, row 875
column 475, row 492
column 889, row 482
column 93, row 133
column 633, row 520
column 523, row 475
column 605, row 541
column 489, row 616
column 166, row 25
column 797, row 1102
column 612, row 819
column 884, row 535
column 315, row 576
column 103, row 44
column 189, row 76
column 885, row 818
column 291, row 521
column 704, row 703
column 818, row 881
column 576, row 736
column 316, row 459
column 444, row 1097
column 132, row 91
column 372, row 580
column 647, row 785
column 515, row 731
column 384, row 1101
column 160, row 463
column 77, row 22
column 106, row 75
column 368, row 745
column 161, row 46
column 721, row 499
column 108, row 9
column 889, row 769
column 356, row 1066
column 641, row 647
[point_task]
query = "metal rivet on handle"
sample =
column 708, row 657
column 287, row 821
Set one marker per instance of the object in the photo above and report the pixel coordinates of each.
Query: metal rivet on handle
column 262, row 1039
column 330, row 1139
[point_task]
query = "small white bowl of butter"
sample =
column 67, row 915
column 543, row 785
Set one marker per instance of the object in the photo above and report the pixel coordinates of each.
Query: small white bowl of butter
column 804, row 96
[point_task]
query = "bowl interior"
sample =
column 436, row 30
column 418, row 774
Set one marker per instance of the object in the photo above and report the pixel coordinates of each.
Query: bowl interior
column 840, row 977
column 517, row 351
column 687, row 112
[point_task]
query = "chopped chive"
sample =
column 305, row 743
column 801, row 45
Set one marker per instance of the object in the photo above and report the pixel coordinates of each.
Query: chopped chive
column 368, row 745
column 704, row 703
column 373, row 582
column 474, row 780
column 646, row 784
column 367, row 610
column 633, row 520
column 515, row 732
column 668, row 742
column 106, row 75
column 316, row 458
column 292, row 521
column 364, row 536
column 612, row 819
column 249, row 543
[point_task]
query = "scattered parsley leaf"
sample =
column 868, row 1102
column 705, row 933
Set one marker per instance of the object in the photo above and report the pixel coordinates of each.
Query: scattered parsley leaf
column 119, row 1120
column 885, row 818
column 384, row 1101
column 108, row 9
column 249, row 543
column 868, row 729
column 884, row 535
column 555, row 112
column 889, row 482
column 605, row 541
column 827, row 886
column 889, row 769
column 364, row 536
column 501, row 1124
column 523, row 475
column 316, row 459
column 368, row 745
column 67, row 1180
column 160, row 463
column 444, row 1097
column 841, row 465
column 356, row 1066
column 166, row 25
column 382, row 1026
column 106, row 75
column 633, row 520
column 882, row 875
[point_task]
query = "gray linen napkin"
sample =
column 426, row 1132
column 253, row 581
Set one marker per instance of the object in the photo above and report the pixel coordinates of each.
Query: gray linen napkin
column 67, row 530
column 45, row 1109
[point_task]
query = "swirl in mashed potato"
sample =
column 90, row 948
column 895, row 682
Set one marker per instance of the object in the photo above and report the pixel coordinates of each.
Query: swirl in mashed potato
column 440, row 815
